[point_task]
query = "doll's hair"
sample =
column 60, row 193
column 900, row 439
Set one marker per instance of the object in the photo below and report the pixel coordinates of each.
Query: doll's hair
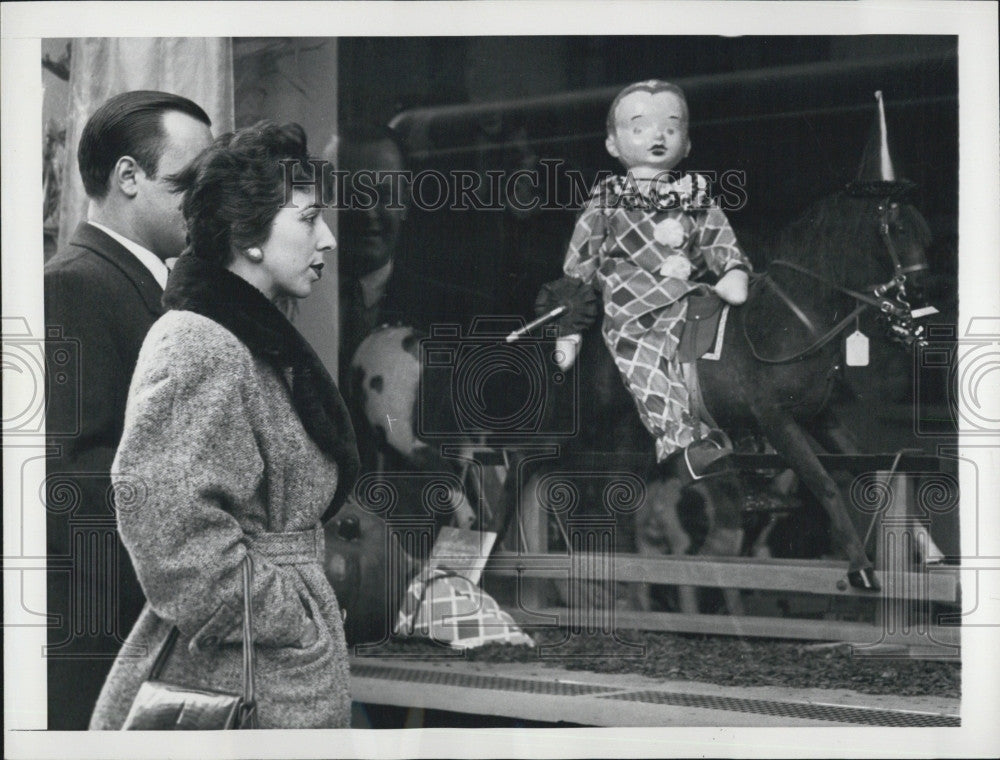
column 652, row 86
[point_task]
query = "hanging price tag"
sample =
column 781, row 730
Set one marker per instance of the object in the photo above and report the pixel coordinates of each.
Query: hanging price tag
column 856, row 349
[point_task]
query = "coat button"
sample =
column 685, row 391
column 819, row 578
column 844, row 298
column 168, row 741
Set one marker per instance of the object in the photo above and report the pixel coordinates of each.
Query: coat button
column 209, row 642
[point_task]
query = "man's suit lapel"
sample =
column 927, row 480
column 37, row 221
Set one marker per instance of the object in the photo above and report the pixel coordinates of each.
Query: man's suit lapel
column 105, row 246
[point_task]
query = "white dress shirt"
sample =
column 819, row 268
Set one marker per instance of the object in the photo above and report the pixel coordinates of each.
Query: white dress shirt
column 150, row 260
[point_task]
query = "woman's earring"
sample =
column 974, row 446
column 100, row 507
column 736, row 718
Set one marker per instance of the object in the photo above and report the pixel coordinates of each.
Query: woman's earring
column 255, row 254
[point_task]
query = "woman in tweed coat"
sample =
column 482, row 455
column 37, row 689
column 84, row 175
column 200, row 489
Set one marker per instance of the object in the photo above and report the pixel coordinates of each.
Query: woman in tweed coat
column 236, row 442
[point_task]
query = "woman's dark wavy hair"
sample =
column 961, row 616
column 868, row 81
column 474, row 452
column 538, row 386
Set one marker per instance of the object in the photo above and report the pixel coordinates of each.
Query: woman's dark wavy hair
column 234, row 189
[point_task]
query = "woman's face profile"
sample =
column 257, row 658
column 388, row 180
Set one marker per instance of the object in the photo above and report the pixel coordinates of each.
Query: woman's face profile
column 294, row 250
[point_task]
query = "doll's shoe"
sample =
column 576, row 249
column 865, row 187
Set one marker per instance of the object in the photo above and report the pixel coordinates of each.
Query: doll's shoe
column 864, row 579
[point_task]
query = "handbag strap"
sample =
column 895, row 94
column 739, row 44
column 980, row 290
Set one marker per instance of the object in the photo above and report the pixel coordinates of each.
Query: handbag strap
column 249, row 691
column 165, row 650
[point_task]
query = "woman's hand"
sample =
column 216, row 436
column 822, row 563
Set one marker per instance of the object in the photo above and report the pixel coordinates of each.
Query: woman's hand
column 732, row 287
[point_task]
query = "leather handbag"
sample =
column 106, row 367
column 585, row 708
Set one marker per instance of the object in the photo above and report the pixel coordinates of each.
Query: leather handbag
column 162, row 706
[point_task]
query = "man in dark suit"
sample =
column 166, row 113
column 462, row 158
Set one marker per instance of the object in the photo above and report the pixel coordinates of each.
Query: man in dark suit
column 102, row 294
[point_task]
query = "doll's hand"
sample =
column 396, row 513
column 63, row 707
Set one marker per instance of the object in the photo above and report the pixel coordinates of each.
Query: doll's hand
column 566, row 350
column 732, row 288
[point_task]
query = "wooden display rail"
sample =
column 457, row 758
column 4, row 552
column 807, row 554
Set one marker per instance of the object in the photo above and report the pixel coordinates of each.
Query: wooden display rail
column 907, row 461
column 901, row 613
column 934, row 584
column 939, row 642
column 857, row 463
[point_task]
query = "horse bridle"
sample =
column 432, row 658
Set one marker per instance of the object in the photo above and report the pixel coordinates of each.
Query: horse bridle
column 888, row 211
column 889, row 298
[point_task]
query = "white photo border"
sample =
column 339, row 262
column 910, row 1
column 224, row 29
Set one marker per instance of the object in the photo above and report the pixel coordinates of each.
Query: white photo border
column 25, row 24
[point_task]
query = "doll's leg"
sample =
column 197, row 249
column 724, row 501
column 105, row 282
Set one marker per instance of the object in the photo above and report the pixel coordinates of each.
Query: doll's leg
column 653, row 377
column 674, row 428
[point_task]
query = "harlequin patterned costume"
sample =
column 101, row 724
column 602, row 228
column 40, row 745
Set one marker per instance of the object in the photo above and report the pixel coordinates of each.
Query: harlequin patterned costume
column 647, row 251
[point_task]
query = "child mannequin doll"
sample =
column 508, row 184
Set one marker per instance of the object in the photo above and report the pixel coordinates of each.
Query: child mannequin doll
column 646, row 238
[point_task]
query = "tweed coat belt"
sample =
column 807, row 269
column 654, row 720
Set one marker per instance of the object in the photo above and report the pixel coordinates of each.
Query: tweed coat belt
column 302, row 547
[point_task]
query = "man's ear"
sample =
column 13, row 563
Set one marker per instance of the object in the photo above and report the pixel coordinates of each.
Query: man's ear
column 611, row 146
column 687, row 148
column 125, row 174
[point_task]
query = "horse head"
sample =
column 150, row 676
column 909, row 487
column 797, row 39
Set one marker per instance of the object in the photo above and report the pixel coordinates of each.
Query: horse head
column 871, row 242
column 904, row 234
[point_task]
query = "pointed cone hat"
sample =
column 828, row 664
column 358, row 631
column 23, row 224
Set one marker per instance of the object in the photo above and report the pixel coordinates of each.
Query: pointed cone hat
column 878, row 174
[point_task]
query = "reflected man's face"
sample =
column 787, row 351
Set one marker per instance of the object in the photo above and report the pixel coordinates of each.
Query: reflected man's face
column 368, row 236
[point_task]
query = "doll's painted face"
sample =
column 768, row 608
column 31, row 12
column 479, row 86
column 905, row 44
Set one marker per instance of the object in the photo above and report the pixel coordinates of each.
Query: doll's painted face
column 651, row 134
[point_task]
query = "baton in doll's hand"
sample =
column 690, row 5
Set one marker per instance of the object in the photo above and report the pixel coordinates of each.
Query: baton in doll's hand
column 547, row 317
column 569, row 302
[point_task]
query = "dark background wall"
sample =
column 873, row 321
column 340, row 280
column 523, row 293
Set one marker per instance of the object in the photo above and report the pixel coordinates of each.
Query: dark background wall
column 793, row 113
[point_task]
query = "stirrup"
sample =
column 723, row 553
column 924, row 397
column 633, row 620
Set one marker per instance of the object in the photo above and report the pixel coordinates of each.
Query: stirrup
column 698, row 456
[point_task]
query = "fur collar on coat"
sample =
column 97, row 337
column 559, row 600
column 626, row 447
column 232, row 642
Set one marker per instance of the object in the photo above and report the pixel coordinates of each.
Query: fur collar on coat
column 210, row 290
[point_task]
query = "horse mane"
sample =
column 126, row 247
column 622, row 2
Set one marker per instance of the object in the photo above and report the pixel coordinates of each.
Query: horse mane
column 838, row 238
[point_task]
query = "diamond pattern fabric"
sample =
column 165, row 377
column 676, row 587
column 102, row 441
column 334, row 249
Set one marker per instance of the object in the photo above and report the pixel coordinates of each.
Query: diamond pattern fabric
column 448, row 608
column 634, row 243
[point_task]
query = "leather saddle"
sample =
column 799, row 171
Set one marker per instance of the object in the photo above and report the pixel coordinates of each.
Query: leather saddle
column 703, row 328
column 701, row 338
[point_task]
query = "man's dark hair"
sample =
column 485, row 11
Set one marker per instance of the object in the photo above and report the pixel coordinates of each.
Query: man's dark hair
column 235, row 188
column 129, row 124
